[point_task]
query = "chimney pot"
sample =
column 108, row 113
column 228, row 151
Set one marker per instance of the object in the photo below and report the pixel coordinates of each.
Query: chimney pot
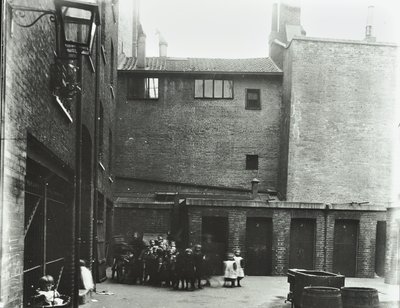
column 162, row 44
column 368, row 29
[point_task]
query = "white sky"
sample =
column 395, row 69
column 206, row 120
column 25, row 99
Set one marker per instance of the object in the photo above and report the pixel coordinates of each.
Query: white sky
column 240, row 28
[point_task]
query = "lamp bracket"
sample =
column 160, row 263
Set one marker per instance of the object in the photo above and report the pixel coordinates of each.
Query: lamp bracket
column 18, row 14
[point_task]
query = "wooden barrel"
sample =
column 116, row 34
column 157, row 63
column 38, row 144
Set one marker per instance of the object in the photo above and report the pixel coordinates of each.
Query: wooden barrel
column 360, row 297
column 318, row 297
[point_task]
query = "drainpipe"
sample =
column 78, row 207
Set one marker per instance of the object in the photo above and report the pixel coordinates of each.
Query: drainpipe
column 2, row 123
column 326, row 211
column 78, row 182
column 96, row 155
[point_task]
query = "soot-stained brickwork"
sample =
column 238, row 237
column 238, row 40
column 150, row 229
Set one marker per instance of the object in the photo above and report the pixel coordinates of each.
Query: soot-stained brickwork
column 178, row 138
column 36, row 129
column 324, row 136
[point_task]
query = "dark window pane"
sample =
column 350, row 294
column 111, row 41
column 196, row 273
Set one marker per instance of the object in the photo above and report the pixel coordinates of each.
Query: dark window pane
column 136, row 88
column 228, row 89
column 198, row 88
column 218, row 88
column 208, row 88
column 251, row 162
column 252, row 96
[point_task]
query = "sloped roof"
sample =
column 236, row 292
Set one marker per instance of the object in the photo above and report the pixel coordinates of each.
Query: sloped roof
column 202, row 65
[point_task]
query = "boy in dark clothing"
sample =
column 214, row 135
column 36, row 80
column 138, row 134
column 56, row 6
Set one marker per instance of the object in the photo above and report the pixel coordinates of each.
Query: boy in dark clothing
column 188, row 269
column 199, row 258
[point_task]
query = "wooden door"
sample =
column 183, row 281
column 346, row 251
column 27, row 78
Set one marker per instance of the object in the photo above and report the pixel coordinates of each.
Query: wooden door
column 302, row 243
column 214, row 242
column 345, row 247
column 380, row 248
column 258, row 246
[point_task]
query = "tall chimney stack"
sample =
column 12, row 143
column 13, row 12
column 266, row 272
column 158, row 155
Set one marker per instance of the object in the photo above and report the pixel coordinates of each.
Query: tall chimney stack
column 162, row 44
column 368, row 29
column 274, row 22
column 135, row 26
column 141, row 49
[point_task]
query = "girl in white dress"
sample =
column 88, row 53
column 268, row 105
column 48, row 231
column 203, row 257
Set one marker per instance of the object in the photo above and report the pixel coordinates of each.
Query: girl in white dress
column 230, row 268
column 240, row 266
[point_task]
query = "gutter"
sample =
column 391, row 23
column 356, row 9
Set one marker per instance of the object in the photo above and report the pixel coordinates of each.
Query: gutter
column 147, row 72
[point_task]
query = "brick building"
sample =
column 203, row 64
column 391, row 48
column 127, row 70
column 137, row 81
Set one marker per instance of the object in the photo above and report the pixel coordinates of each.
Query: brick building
column 289, row 157
column 39, row 154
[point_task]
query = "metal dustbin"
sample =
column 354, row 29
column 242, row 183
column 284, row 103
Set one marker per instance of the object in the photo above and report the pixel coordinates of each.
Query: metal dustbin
column 300, row 278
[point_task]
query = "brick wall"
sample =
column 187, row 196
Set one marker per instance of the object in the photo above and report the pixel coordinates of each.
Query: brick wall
column 238, row 212
column 31, row 110
column 342, row 124
column 143, row 219
column 180, row 139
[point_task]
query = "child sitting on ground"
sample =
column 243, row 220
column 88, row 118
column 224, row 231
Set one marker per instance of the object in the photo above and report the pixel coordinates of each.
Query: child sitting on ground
column 230, row 268
column 46, row 295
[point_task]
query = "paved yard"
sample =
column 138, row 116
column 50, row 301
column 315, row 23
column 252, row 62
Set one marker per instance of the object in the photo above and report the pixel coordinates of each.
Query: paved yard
column 269, row 292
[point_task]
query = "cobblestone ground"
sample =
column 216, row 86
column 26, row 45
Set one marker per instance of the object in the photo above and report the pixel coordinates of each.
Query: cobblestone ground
column 268, row 292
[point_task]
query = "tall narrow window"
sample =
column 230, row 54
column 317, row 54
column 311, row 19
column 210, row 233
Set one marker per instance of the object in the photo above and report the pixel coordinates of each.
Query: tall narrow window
column 101, row 131
column 253, row 99
column 110, row 151
column 103, row 21
column 112, row 64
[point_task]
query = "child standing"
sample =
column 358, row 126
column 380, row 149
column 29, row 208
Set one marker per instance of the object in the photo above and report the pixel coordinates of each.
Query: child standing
column 240, row 266
column 230, row 267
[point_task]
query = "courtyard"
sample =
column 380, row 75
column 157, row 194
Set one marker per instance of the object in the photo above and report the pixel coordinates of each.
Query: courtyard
column 257, row 291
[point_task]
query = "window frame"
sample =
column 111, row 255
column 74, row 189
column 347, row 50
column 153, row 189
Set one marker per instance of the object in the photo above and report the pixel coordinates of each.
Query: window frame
column 145, row 80
column 252, row 90
column 203, row 80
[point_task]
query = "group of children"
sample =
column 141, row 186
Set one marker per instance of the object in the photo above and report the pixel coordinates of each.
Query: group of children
column 160, row 263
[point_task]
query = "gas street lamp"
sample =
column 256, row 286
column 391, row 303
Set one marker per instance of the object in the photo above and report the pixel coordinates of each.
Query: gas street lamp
column 78, row 21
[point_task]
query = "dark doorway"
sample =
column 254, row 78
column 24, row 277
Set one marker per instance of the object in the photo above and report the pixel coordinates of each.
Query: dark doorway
column 109, row 230
column 259, row 246
column 380, row 248
column 101, row 239
column 214, row 241
column 302, row 243
column 48, row 229
column 345, row 247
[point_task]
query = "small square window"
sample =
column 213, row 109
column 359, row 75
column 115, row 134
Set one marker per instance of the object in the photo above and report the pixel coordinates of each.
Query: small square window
column 253, row 99
column 251, row 162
